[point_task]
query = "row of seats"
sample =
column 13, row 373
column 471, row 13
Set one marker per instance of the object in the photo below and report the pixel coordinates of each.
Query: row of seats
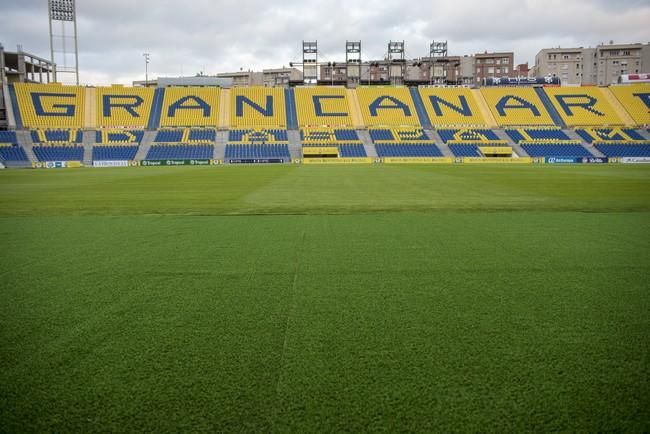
column 482, row 135
column 180, row 151
column 59, row 152
column 256, row 152
column 57, row 136
column 12, row 152
column 271, row 135
column 187, row 135
column 114, row 152
column 551, row 135
column 555, row 150
column 398, row 134
column 595, row 135
column 119, row 136
column 328, row 135
column 56, row 106
column 636, row 100
column 627, row 150
column 402, row 149
column 323, row 106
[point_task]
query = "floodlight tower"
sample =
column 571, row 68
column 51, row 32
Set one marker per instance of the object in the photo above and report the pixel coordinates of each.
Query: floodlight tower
column 353, row 61
column 64, row 52
column 396, row 62
column 310, row 62
column 439, row 61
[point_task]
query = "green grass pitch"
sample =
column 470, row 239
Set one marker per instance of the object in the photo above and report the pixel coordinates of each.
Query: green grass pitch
column 340, row 299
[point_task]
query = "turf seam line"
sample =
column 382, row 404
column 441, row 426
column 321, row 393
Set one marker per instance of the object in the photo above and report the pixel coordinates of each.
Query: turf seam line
column 290, row 308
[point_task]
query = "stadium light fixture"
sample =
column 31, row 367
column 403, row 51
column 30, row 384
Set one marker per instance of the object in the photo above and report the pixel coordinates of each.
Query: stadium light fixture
column 146, row 69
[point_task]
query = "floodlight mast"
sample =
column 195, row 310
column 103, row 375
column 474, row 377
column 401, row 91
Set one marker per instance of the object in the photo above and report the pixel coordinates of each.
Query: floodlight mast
column 62, row 14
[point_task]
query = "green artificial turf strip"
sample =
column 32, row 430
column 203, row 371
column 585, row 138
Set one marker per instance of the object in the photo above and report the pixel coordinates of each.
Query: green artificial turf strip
column 462, row 316
column 323, row 190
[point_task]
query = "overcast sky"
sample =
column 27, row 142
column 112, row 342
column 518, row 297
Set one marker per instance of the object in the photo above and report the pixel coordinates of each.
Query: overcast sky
column 222, row 36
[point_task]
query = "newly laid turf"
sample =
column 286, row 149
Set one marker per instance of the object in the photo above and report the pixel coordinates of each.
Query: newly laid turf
column 299, row 299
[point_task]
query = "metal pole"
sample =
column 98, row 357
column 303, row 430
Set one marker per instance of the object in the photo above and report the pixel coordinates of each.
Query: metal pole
column 49, row 12
column 146, row 69
column 76, row 49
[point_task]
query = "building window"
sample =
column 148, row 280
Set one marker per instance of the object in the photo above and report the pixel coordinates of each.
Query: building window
column 626, row 53
column 505, row 70
column 490, row 70
column 506, row 61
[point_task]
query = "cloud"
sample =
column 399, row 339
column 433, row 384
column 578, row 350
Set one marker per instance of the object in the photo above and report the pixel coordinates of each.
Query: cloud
column 203, row 35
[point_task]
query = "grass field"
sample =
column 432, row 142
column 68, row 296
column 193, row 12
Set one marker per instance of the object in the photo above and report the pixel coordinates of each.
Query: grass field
column 341, row 299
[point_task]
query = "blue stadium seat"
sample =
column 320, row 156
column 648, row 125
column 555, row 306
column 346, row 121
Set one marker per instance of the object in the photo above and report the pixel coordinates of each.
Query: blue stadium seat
column 624, row 150
column 470, row 135
column 13, row 152
column 352, row 150
column 119, row 152
column 555, row 150
column 180, row 152
column 465, row 150
column 257, row 151
column 59, row 153
column 408, row 150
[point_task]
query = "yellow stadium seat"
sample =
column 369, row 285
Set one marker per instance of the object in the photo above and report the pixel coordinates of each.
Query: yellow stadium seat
column 387, row 106
column 323, row 135
column 323, row 105
column 257, row 107
column 119, row 106
column 512, row 106
column 583, row 106
column 635, row 99
column 50, row 105
column 190, row 107
column 451, row 106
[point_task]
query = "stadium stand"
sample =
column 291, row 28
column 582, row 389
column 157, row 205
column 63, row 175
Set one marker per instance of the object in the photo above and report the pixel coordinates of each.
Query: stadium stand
column 251, row 136
column 258, row 107
column 451, row 106
column 387, row 106
column 57, row 136
column 402, row 149
column 582, row 106
column 616, row 142
column 126, row 107
column 324, row 105
column 50, row 105
column 114, row 152
column 635, row 99
column 12, row 152
column 119, row 136
column 160, row 151
column 634, row 149
column 398, row 134
column 621, row 135
column 550, row 135
column 516, row 106
column 403, row 142
column 546, row 149
column 190, row 107
column 477, row 135
column 321, row 136
column 186, row 135
column 58, row 152
column 116, row 145
column 266, row 151
column 9, row 148
column 547, row 142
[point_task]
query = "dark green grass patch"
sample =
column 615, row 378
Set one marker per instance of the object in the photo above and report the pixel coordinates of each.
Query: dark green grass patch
column 457, row 317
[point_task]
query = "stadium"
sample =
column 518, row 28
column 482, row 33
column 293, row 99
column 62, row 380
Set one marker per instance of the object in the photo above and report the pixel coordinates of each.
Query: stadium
column 324, row 257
